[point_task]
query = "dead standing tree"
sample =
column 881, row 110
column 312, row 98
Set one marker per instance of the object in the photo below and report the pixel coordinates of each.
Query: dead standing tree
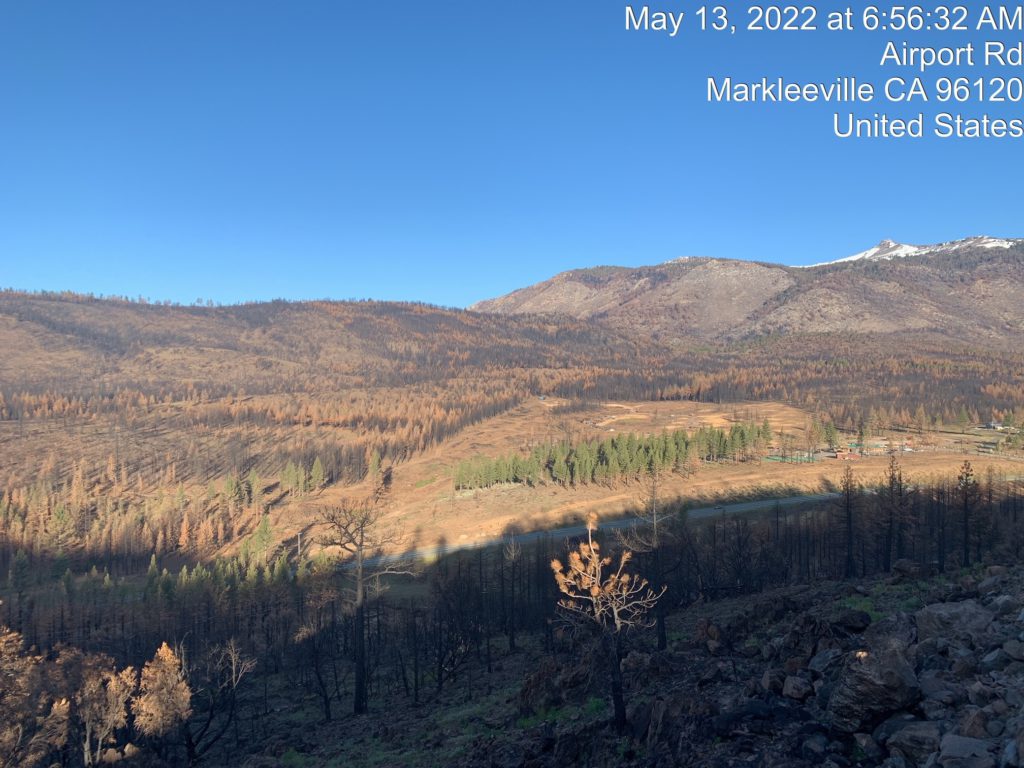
column 357, row 529
column 650, row 535
column 610, row 600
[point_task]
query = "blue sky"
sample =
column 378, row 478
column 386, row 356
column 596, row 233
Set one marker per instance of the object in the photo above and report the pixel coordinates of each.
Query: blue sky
column 443, row 152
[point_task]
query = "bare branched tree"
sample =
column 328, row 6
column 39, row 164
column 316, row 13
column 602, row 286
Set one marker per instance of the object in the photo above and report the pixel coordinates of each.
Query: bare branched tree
column 512, row 552
column 368, row 548
column 216, row 680
column 317, row 639
column 653, row 531
column 607, row 598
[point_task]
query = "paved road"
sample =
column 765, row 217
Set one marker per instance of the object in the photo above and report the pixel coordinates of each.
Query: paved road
column 572, row 531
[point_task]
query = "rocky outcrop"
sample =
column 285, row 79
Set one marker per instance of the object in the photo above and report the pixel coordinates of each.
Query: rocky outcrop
column 795, row 679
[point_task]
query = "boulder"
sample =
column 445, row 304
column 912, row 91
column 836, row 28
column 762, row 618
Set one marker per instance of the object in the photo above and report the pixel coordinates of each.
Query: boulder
column 966, row 619
column 906, row 569
column 794, row 664
column 933, row 686
column 1014, row 648
column 814, row 747
column 964, row 666
column 871, row 686
column 821, row 661
column 890, row 725
column 853, row 621
column 916, row 741
column 894, row 631
column 973, row 724
column 540, row 691
column 990, row 585
column 963, row 752
column 773, row 680
column 1004, row 604
column 995, row 660
column 1010, row 757
column 865, row 747
column 796, row 688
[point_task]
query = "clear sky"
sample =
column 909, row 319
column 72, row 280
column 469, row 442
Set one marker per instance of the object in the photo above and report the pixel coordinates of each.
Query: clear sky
column 435, row 151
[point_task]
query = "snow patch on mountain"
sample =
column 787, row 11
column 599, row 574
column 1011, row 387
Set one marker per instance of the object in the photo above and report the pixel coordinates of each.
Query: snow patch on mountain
column 887, row 250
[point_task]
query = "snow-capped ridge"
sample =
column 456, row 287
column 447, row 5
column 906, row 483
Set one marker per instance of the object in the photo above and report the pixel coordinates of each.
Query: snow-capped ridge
column 887, row 250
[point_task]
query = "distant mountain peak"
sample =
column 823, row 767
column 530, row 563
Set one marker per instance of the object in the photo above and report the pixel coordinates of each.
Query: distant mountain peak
column 967, row 287
column 887, row 250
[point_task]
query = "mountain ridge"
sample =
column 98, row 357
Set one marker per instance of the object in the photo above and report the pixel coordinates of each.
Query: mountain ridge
column 887, row 250
column 967, row 288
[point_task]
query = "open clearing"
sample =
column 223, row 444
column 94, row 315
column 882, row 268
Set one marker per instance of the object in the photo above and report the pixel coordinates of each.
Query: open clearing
column 424, row 503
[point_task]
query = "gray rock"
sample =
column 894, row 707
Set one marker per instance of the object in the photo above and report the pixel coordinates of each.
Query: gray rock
column 772, row 680
column 935, row 710
column 965, row 619
column 1004, row 604
column 979, row 693
column 1009, row 758
column 935, row 687
column 821, row 661
column 796, row 688
column 963, row 752
column 854, row 620
column 885, row 730
column 916, row 741
column 994, row 660
column 906, row 569
column 896, row 631
column 973, row 724
column 865, row 747
column 990, row 585
column 1014, row 649
column 964, row 666
column 814, row 747
column 871, row 686
column 794, row 664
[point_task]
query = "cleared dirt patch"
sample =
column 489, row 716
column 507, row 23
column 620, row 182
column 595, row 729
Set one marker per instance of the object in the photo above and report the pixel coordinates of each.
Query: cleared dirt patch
column 425, row 504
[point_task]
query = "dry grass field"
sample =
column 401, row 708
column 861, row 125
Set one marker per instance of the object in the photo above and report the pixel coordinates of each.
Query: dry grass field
column 424, row 504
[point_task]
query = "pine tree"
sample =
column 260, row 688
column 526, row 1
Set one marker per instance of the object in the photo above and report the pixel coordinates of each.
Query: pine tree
column 850, row 490
column 255, row 483
column 316, row 474
column 967, row 490
column 263, row 538
column 831, row 435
